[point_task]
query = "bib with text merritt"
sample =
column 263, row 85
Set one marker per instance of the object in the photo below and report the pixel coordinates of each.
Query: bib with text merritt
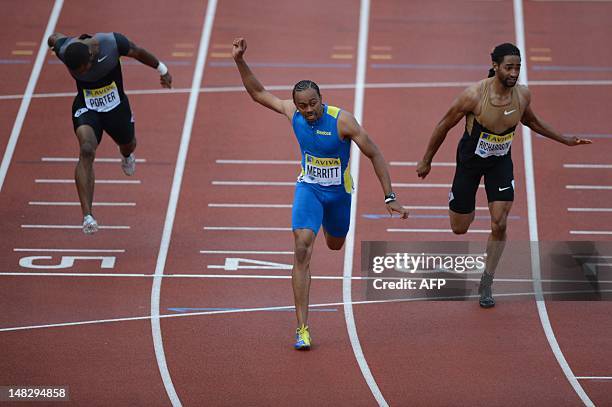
column 493, row 145
column 322, row 171
column 103, row 99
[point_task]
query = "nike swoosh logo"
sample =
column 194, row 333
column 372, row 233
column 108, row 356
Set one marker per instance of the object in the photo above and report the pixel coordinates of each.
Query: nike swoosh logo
column 503, row 189
column 105, row 56
column 505, row 112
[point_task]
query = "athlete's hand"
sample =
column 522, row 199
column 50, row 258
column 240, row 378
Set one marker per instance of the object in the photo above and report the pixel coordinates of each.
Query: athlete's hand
column 423, row 168
column 396, row 207
column 166, row 80
column 238, row 48
column 576, row 141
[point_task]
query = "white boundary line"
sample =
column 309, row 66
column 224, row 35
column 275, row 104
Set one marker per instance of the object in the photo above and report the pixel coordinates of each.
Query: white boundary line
column 594, row 377
column 589, row 209
column 98, row 181
column 27, row 97
column 47, row 203
column 349, row 248
column 173, row 202
column 533, row 221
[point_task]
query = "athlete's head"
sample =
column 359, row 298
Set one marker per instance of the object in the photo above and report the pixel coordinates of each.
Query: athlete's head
column 307, row 100
column 506, row 64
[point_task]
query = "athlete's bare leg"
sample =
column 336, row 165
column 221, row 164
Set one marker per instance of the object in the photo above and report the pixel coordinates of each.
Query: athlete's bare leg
column 334, row 243
column 300, row 275
column 460, row 222
column 84, row 173
column 127, row 149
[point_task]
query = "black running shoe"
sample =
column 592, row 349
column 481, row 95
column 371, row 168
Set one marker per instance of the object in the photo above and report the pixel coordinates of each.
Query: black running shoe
column 484, row 289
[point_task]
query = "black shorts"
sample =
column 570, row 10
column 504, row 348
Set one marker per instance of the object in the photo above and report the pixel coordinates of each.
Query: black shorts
column 499, row 184
column 118, row 123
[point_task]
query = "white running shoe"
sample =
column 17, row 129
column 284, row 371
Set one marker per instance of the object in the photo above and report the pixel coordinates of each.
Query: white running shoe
column 128, row 164
column 90, row 226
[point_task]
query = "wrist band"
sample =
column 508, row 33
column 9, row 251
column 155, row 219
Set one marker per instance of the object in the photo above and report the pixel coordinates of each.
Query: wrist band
column 162, row 68
column 390, row 198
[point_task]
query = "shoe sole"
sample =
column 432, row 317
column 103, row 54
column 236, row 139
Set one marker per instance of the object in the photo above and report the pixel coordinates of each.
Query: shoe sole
column 486, row 305
column 90, row 229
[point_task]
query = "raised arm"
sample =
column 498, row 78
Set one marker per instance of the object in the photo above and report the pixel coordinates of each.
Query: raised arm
column 348, row 128
column 533, row 121
column 465, row 103
column 258, row 93
column 145, row 57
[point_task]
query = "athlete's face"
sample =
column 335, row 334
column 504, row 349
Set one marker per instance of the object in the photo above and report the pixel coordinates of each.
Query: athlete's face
column 508, row 71
column 308, row 103
column 93, row 50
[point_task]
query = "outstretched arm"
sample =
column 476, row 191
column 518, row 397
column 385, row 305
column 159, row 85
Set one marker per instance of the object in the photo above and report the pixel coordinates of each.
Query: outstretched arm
column 257, row 91
column 147, row 58
column 465, row 103
column 531, row 120
column 350, row 129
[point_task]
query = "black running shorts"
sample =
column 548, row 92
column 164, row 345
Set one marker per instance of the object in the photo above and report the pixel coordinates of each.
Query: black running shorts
column 499, row 184
column 118, row 123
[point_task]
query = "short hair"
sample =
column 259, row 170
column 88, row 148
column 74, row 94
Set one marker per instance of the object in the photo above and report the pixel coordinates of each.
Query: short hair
column 303, row 85
column 76, row 55
column 500, row 52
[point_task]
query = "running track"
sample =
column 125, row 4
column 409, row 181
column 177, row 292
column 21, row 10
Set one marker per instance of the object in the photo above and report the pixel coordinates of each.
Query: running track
column 225, row 334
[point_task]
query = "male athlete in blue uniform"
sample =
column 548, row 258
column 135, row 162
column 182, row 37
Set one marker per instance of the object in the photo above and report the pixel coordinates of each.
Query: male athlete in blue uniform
column 493, row 108
column 323, row 190
column 101, row 104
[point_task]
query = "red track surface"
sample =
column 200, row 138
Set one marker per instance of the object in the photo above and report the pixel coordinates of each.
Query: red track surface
column 419, row 353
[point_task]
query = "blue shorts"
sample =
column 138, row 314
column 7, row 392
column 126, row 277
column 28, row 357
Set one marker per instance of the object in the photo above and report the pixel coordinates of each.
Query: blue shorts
column 313, row 207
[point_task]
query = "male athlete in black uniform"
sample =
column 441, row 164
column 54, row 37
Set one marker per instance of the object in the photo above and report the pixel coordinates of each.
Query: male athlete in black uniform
column 493, row 108
column 101, row 104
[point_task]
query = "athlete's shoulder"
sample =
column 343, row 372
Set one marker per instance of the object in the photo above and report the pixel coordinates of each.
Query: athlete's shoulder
column 524, row 92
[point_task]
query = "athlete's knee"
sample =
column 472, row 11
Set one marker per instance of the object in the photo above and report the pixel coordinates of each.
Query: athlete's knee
column 302, row 252
column 459, row 229
column 87, row 151
column 335, row 243
column 498, row 227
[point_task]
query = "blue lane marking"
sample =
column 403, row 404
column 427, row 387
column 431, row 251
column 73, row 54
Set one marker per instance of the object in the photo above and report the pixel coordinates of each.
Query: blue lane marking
column 292, row 309
column 386, row 216
column 131, row 62
column 280, row 65
column 431, row 66
column 15, row 61
column 566, row 68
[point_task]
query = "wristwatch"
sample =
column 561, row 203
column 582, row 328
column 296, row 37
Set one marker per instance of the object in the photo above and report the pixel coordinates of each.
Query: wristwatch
column 390, row 197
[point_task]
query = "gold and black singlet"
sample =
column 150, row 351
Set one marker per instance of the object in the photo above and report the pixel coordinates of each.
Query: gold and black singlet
column 482, row 146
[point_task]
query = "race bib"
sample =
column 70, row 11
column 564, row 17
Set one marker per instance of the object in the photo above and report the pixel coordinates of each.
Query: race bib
column 103, row 99
column 322, row 171
column 493, row 145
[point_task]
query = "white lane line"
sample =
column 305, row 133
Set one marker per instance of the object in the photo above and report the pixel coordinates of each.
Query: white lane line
column 589, row 209
column 173, row 202
column 244, row 252
column 594, row 377
column 287, row 277
column 70, row 250
column 239, row 205
column 339, row 86
column 419, row 185
column 601, row 187
column 43, row 49
column 596, row 166
column 235, row 311
column 439, row 207
column 98, row 181
column 262, row 162
column 254, row 183
column 589, row 256
column 349, row 247
column 47, row 203
column 590, row 232
column 435, row 230
column 414, row 163
column 247, row 228
column 70, row 227
column 75, row 159
column 519, row 27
